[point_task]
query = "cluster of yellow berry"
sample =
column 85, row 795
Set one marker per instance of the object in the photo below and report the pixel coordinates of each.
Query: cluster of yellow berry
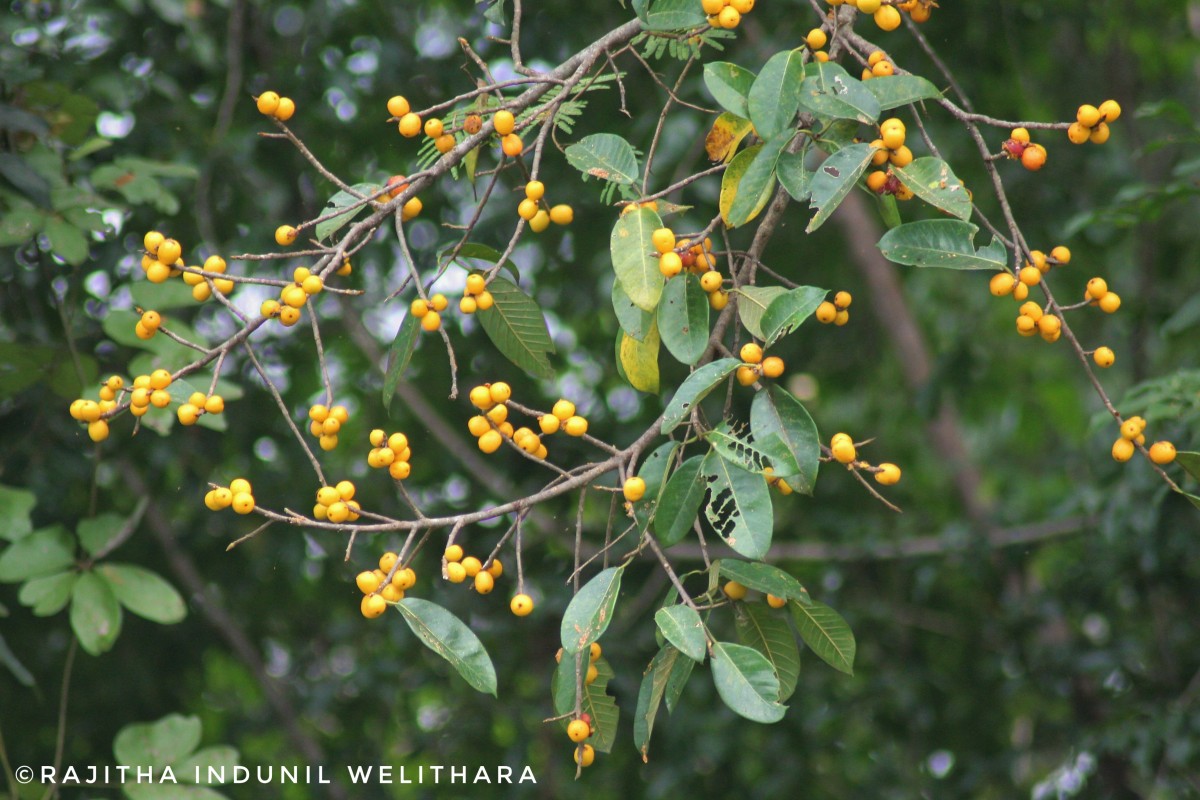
column 238, row 495
column 593, row 672
column 539, row 214
column 492, row 427
column 837, row 312
column 379, row 590
column 1091, row 123
column 1019, row 146
column 674, row 256
column 326, row 422
column 736, row 591
column 413, row 206
column 1132, row 433
column 391, row 453
column 878, row 66
column 201, row 290
column 754, row 366
column 90, row 411
column 816, row 39
column 270, row 104
column 1097, row 294
column 842, row 449
column 476, row 297
column 429, row 311
column 459, row 567
column 887, row 15
column 1003, row 284
column 336, row 503
column 1033, row 321
column 726, row 13
column 163, row 260
column 410, row 126
column 891, row 150
column 198, row 404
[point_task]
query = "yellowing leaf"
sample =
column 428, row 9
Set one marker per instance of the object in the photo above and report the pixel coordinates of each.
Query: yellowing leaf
column 640, row 360
column 726, row 134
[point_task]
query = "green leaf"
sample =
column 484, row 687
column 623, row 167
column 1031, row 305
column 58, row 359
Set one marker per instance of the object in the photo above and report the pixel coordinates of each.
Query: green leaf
column 95, row 613
column 639, row 360
column 634, row 321
column 826, row 633
column 679, row 503
column 1193, row 499
column 449, row 637
column 634, row 258
column 889, row 212
column 793, row 176
column 605, row 156
column 746, row 682
column 758, row 626
column 788, row 310
column 157, row 744
column 48, row 595
column 653, row 470
column 43, row 552
column 722, row 140
column 763, row 577
column 736, row 449
column 67, row 241
column 729, row 85
column 694, row 389
column 15, row 506
column 222, row 758
column 680, row 673
column 145, row 593
column 754, row 196
column 590, row 610
column 595, row 700
column 342, row 200
column 738, row 506
column 1190, row 462
column 650, row 695
column 92, row 145
column 758, row 184
column 673, row 15
column 753, row 302
column 830, row 91
column 20, row 225
column 516, row 326
column 932, row 180
column 162, row 296
column 682, row 627
column 683, row 318
column 774, row 96
column 946, row 243
column 472, row 251
column 399, row 354
column 834, row 179
column 894, row 91
column 785, row 431
column 96, row 533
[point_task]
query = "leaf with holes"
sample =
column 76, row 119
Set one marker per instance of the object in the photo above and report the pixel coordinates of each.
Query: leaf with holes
column 785, row 431
column 826, row 634
column 449, row 637
column 834, row 179
column 729, row 85
column 590, row 611
column 681, row 626
column 650, row 696
column 944, row 243
column 605, row 156
column 595, row 700
column 763, row 577
column 932, row 180
column 894, row 91
column 683, row 318
column 516, row 326
column 736, row 449
column 774, row 97
column 399, row 354
column 639, row 360
column 738, row 506
column 679, row 502
column 787, row 311
column 724, row 137
column 634, row 258
column 831, row 92
column 753, row 302
column 746, row 682
column 341, row 200
column 694, row 389
column 760, row 627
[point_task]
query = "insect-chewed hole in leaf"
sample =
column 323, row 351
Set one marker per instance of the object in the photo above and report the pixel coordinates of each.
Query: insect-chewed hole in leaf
column 720, row 511
column 832, row 172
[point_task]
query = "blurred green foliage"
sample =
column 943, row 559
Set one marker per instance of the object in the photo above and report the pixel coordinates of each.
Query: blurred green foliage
column 1062, row 666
